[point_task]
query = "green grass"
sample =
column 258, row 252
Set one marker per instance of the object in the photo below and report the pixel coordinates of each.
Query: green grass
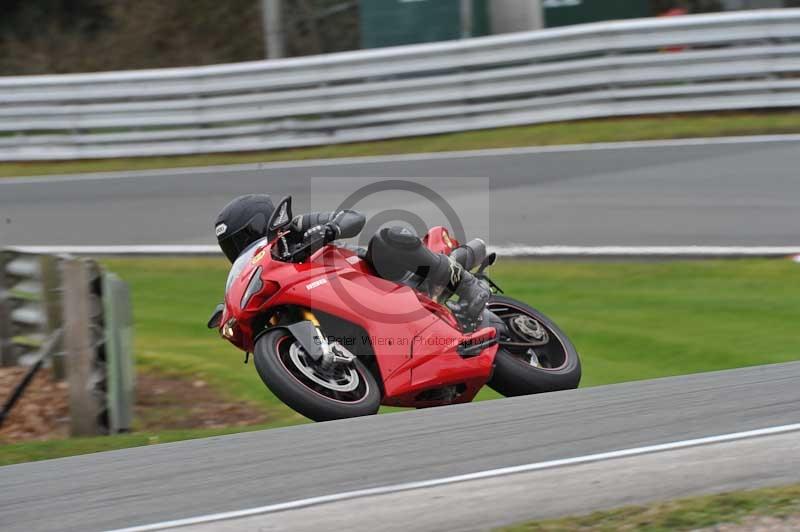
column 683, row 514
column 629, row 321
column 599, row 130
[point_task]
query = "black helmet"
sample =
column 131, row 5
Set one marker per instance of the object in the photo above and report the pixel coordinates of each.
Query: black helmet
column 242, row 222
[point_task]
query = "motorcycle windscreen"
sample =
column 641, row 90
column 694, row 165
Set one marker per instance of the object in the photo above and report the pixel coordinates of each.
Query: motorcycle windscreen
column 244, row 259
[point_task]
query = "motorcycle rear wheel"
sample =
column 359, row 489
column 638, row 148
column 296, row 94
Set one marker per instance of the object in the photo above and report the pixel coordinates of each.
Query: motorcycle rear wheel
column 321, row 395
column 550, row 367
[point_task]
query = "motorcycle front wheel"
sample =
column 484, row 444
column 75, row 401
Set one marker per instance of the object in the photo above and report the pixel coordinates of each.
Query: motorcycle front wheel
column 537, row 356
column 317, row 392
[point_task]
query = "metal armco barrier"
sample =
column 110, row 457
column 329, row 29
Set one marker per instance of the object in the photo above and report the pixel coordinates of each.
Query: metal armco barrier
column 70, row 311
column 742, row 60
column 30, row 306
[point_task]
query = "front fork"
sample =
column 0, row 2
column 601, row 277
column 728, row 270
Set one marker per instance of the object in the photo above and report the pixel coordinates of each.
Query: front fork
column 328, row 353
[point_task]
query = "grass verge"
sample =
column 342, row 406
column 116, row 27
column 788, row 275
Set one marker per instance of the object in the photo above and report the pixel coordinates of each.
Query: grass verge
column 629, row 321
column 599, row 130
column 683, row 514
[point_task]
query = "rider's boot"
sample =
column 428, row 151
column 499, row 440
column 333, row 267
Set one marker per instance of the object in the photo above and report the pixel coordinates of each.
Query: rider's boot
column 473, row 295
column 399, row 255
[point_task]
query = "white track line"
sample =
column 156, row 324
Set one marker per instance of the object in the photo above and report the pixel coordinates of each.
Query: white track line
column 340, row 161
column 371, row 492
column 503, row 251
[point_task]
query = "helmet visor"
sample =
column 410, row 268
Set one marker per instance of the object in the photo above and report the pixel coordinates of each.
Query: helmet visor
column 233, row 245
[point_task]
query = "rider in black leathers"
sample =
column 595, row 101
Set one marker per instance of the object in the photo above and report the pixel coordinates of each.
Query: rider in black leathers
column 395, row 253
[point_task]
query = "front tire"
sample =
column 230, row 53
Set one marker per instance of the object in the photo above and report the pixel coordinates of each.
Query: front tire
column 338, row 393
column 550, row 367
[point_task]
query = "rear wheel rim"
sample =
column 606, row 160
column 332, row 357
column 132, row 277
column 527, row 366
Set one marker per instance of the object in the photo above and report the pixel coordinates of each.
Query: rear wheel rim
column 340, row 383
column 551, row 356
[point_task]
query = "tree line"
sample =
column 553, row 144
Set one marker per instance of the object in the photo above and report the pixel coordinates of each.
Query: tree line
column 59, row 36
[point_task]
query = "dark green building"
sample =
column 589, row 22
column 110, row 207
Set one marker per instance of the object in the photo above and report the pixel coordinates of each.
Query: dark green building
column 396, row 22
column 567, row 12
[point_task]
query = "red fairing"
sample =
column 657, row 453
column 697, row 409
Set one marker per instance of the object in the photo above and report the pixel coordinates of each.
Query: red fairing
column 440, row 240
column 415, row 340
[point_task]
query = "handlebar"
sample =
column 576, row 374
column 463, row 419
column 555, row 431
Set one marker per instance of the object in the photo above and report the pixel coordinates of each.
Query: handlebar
column 299, row 247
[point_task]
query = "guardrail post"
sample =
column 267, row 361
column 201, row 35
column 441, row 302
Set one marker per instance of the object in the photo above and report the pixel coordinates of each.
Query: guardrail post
column 119, row 352
column 85, row 370
column 272, row 20
column 466, row 18
column 98, row 350
column 51, row 301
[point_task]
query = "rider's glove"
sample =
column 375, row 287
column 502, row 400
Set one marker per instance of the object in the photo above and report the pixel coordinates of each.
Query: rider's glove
column 316, row 237
column 311, row 241
column 332, row 231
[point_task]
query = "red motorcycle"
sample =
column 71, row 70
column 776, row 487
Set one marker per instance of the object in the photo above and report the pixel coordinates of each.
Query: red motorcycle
column 333, row 340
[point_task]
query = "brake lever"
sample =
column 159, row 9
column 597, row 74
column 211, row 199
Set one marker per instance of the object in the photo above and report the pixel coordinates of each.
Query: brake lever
column 305, row 250
column 300, row 253
column 488, row 279
column 490, row 259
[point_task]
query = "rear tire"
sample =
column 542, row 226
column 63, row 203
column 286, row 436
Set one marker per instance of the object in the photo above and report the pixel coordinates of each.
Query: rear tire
column 514, row 373
column 284, row 378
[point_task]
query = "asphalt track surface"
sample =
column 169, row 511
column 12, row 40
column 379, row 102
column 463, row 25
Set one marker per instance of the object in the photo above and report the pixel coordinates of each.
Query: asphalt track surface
column 713, row 192
column 484, row 504
column 194, row 478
